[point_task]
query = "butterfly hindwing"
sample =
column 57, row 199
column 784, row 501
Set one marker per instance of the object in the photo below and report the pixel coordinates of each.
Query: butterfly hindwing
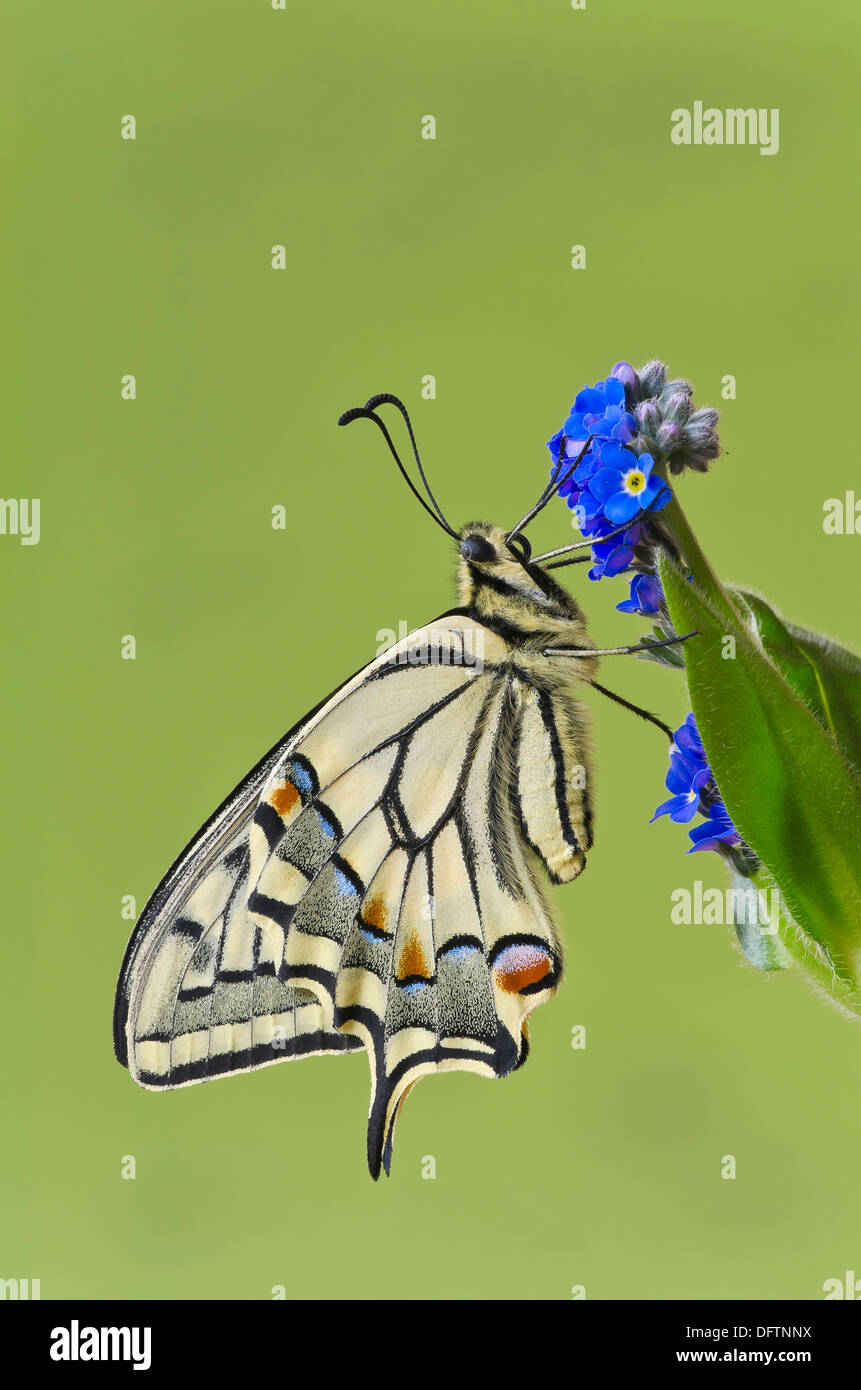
column 473, row 945
column 552, row 790
column 373, row 886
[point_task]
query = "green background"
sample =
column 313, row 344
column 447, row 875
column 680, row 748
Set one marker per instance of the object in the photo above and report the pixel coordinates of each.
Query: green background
column 405, row 257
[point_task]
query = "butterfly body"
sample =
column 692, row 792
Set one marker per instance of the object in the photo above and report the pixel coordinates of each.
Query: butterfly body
column 373, row 882
column 524, row 603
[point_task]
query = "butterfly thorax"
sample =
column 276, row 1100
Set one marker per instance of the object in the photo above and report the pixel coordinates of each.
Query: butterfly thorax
column 525, row 605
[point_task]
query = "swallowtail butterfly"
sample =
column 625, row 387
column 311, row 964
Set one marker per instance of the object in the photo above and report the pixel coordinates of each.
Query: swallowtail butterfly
column 374, row 882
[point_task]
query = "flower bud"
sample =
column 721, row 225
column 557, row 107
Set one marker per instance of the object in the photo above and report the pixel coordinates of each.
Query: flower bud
column 652, row 378
column 669, row 424
column 677, row 407
column 648, row 417
column 625, row 373
column 669, row 436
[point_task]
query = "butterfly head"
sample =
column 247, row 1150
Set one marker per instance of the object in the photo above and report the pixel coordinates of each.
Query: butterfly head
column 495, row 574
column 481, row 544
column 485, row 549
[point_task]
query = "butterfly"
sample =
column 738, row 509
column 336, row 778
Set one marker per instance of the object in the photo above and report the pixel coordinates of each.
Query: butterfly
column 375, row 881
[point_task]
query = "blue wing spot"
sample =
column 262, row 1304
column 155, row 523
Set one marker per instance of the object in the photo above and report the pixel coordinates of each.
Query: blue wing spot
column 343, row 884
column 459, row 952
column 301, row 777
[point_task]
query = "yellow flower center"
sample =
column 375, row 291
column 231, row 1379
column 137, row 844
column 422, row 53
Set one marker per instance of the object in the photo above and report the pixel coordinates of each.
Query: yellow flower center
column 635, row 481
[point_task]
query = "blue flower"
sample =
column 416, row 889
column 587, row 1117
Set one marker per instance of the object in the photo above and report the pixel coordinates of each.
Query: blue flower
column 646, row 596
column 717, row 830
column 611, row 485
column 687, row 739
column 615, row 555
column 622, row 485
column 685, row 779
column 598, row 410
column 692, row 783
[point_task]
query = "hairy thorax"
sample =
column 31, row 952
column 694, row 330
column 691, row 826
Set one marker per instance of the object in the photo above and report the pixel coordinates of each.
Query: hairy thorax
column 528, row 608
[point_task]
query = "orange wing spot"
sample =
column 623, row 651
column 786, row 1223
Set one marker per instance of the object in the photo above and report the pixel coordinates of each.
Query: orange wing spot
column 376, row 914
column 412, row 961
column 519, row 966
column 284, row 798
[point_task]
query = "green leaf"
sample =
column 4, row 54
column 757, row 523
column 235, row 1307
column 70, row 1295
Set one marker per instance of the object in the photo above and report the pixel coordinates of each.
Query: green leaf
column 825, row 675
column 771, row 940
column 791, row 792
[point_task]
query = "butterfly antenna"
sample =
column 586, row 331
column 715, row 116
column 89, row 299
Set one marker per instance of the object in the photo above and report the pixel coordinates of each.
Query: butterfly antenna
column 385, row 398
column 553, row 486
column 366, row 412
column 360, row 412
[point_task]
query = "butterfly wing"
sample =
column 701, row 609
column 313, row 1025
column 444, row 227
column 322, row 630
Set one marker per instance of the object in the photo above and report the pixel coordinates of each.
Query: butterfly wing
column 370, row 884
column 197, row 975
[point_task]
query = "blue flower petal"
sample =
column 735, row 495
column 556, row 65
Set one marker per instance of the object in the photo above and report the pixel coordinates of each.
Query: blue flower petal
column 653, row 496
column 649, row 593
column 713, row 832
column 605, row 483
column 621, row 507
column 713, row 843
column 587, row 466
column 612, row 455
column 554, row 444
column 624, row 430
column 614, row 391
column 573, row 427
column 645, row 597
column 574, row 445
column 681, row 773
column 618, row 561
column 679, row 808
column 591, row 506
column 688, row 738
column 591, row 398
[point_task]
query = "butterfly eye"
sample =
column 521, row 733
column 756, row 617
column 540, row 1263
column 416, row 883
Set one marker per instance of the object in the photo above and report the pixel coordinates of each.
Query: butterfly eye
column 477, row 548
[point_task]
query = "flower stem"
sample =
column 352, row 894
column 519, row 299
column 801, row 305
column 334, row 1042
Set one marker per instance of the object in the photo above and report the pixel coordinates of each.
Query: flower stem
column 676, row 524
